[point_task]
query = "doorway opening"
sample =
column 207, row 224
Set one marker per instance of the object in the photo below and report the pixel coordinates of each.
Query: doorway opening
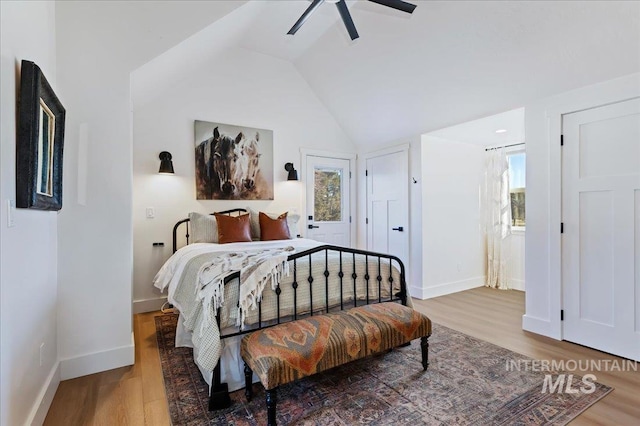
column 474, row 210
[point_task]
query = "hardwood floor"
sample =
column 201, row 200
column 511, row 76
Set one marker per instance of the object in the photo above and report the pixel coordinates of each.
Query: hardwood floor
column 135, row 395
column 124, row 396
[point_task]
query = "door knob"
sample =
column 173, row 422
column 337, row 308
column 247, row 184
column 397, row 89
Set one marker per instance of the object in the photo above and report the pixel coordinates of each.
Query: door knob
column 399, row 228
column 312, row 226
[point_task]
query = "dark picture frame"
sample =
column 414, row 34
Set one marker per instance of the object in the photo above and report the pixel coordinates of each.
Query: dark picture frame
column 40, row 142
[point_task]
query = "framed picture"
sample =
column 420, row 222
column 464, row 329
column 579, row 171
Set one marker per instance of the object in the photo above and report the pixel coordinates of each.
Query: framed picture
column 40, row 142
column 233, row 162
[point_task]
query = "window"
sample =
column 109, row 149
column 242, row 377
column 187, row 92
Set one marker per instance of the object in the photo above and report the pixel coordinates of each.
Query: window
column 328, row 195
column 517, row 175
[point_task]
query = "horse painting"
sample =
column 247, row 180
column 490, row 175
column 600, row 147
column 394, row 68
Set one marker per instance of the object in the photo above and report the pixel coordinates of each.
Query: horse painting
column 232, row 166
column 249, row 162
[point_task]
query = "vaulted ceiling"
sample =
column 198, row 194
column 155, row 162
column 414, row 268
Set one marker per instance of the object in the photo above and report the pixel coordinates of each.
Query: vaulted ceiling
column 447, row 63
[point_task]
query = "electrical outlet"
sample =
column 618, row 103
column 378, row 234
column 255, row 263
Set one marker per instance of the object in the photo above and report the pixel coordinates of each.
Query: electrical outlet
column 41, row 353
column 151, row 212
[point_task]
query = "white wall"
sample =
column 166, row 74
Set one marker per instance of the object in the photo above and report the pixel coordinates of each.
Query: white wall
column 452, row 238
column 251, row 89
column 94, row 314
column 28, row 272
column 542, row 133
column 99, row 44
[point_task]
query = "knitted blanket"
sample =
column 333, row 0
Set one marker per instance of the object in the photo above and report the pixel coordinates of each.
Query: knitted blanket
column 256, row 267
column 187, row 286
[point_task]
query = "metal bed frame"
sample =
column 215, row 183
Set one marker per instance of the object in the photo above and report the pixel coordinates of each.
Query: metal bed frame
column 219, row 396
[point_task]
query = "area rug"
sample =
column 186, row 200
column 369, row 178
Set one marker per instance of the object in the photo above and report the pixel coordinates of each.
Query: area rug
column 467, row 383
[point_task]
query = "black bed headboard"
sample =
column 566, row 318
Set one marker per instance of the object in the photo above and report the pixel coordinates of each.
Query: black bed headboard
column 232, row 212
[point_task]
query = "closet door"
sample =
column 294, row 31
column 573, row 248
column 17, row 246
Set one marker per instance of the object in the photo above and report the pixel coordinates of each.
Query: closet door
column 388, row 203
column 601, row 221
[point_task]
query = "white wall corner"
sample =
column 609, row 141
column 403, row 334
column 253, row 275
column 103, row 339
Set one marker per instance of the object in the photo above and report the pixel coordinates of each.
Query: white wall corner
column 453, row 287
column 540, row 326
column 45, row 397
column 517, row 284
column 417, row 292
column 148, row 305
column 98, row 361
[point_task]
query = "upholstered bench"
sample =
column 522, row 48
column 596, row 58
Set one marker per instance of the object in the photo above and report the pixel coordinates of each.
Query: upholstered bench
column 297, row 349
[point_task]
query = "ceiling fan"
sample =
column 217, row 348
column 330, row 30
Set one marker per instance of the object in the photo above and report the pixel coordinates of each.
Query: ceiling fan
column 346, row 16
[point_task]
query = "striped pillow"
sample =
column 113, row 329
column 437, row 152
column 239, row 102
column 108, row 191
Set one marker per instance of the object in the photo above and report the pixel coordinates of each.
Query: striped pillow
column 204, row 228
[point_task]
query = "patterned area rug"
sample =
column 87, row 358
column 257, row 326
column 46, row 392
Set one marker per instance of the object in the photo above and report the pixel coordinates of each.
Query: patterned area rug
column 467, row 383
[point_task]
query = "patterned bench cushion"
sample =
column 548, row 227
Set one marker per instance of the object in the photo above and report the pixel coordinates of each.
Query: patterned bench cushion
column 290, row 351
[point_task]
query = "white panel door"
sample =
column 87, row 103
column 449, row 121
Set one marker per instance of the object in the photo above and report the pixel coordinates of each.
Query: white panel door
column 601, row 221
column 328, row 200
column 388, row 204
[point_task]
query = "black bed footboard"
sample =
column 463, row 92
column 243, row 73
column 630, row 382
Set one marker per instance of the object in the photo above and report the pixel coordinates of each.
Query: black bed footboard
column 374, row 284
column 322, row 279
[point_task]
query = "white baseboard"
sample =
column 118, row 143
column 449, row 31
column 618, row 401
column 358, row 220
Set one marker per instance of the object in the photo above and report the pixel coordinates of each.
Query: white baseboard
column 45, row 397
column 453, row 287
column 98, row 361
column 539, row 326
column 417, row 292
column 517, row 284
column 148, row 305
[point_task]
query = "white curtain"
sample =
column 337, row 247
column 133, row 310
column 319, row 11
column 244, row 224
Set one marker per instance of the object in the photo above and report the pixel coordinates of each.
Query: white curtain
column 497, row 214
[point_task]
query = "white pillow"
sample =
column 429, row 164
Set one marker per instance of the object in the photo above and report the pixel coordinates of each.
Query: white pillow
column 204, row 228
column 254, row 219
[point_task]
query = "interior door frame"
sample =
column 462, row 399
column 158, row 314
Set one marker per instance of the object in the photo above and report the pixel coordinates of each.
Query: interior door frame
column 573, row 326
column 404, row 148
column 553, row 326
column 307, row 152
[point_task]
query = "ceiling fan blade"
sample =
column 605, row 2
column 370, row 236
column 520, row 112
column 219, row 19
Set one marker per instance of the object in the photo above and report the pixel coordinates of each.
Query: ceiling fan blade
column 346, row 18
column 304, row 16
column 397, row 4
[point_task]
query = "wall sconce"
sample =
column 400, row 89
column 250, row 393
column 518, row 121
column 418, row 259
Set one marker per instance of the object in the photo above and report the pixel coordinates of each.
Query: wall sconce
column 293, row 173
column 166, row 165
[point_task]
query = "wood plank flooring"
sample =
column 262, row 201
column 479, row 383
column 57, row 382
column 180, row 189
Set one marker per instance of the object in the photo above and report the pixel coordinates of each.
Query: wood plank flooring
column 135, row 395
column 124, row 396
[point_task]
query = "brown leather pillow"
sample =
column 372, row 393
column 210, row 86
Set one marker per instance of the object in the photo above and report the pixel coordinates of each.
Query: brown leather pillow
column 274, row 229
column 233, row 229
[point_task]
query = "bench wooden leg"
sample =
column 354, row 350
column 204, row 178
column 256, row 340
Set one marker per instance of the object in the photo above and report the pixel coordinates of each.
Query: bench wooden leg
column 248, row 386
column 424, row 345
column 271, row 407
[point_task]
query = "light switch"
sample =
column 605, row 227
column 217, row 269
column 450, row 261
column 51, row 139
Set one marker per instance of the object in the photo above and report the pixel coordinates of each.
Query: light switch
column 151, row 213
column 11, row 212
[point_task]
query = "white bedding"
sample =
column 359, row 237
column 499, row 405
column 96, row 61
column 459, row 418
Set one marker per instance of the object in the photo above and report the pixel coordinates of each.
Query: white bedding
column 178, row 277
column 171, row 272
column 169, row 277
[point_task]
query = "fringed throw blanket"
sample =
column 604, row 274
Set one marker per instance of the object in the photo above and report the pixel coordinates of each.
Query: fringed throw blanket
column 188, row 288
column 256, row 267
